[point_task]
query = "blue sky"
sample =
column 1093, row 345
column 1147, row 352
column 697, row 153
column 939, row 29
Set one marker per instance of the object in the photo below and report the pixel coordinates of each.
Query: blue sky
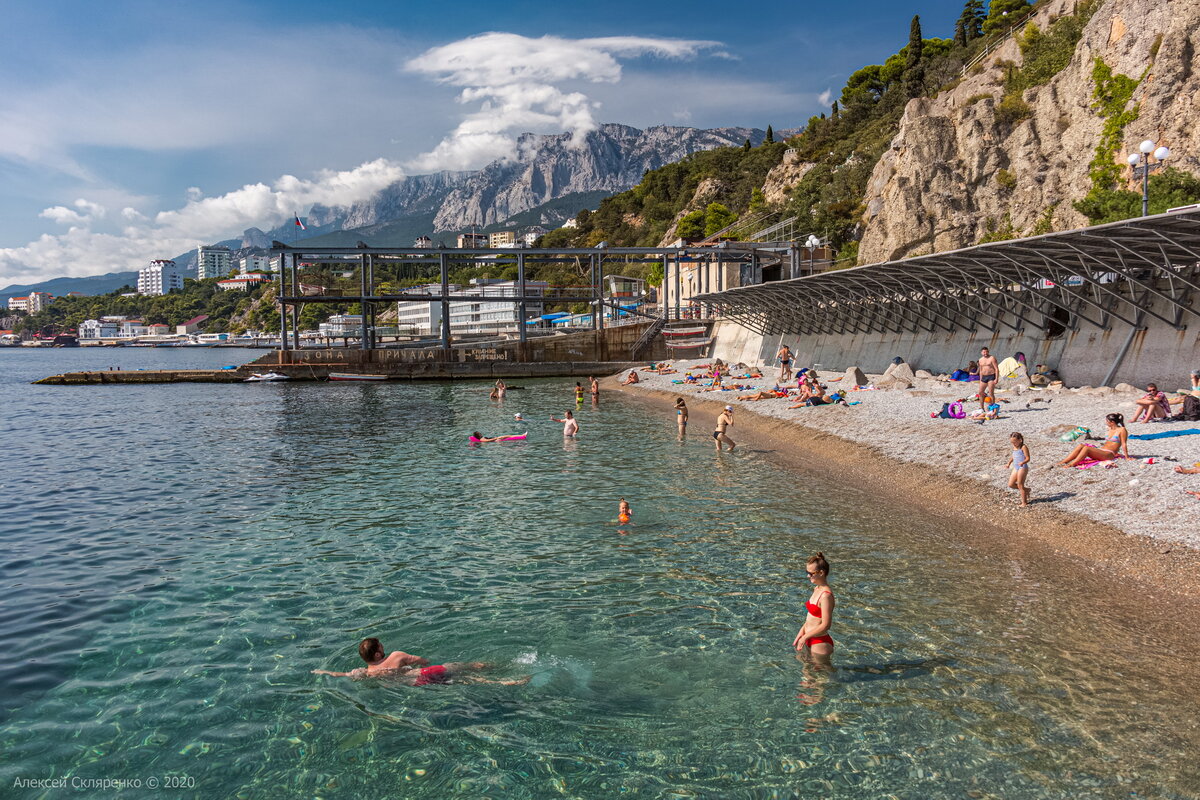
column 131, row 130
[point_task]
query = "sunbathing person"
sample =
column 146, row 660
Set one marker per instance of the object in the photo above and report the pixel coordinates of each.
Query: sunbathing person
column 1153, row 404
column 1116, row 439
column 765, row 394
column 1192, row 470
column 411, row 669
column 631, row 378
column 479, row 437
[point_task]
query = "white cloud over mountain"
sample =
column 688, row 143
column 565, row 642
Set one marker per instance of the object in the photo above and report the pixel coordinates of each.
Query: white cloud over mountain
column 516, row 80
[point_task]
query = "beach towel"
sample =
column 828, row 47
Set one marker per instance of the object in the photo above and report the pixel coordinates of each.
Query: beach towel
column 1165, row 434
column 1088, row 463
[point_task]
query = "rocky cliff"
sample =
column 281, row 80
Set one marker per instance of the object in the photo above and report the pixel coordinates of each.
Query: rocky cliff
column 612, row 159
column 954, row 171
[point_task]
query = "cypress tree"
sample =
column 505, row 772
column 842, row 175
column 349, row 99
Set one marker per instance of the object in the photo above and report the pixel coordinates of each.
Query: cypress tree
column 746, row 146
column 770, row 136
column 960, row 31
column 914, row 70
column 835, row 109
column 972, row 21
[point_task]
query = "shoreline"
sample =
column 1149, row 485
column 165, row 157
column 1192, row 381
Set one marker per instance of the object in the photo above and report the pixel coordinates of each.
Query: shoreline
column 964, row 505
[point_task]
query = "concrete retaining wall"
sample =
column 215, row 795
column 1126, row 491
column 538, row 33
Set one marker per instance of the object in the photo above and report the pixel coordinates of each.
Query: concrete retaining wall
column 1158, row 353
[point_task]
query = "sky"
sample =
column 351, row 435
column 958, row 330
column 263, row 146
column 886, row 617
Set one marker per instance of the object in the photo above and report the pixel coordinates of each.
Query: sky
column 133, row 130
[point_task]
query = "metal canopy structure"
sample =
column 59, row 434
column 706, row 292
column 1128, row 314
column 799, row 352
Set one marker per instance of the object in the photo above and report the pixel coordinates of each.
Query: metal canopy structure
column 1106, row 275
column 295, row 288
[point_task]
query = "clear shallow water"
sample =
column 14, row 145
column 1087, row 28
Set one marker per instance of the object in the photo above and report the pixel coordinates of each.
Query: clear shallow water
column 177, row 559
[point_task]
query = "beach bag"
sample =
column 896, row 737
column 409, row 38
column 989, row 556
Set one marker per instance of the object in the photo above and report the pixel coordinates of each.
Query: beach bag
column 1191, row 409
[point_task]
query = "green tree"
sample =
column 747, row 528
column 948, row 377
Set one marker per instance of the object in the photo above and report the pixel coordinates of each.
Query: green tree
column 970, row 23
column 716, row 217
column 654, row 275
column 758, row 201
column 746, row 146
column 770, row 138
column 1169, row 189
column 834, row 108
column 914, row 70
column 1003, row 14
column 691, row 226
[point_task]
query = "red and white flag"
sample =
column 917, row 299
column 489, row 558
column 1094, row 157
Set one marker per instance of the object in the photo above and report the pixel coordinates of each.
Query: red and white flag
column 300, row 224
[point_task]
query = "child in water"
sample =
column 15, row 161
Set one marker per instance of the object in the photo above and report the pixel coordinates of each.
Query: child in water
column 624, row 512
column 1019, row 463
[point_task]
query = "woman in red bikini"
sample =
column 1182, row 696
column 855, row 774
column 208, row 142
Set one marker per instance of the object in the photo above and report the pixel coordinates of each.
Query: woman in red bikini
column 815, row 633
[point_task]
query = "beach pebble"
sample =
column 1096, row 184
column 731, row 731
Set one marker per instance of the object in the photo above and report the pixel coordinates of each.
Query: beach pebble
column 1134, row 482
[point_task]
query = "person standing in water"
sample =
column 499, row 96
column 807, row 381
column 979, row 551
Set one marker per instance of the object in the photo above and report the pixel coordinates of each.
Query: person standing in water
column 681, row 416
column 814, row 634
column 578, row 393
column 595, row 388
column 570, row 425
column 1019, row 463
column 723, row 422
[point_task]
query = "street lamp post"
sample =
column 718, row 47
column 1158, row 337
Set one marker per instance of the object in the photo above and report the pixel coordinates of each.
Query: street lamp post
column 1142, row 166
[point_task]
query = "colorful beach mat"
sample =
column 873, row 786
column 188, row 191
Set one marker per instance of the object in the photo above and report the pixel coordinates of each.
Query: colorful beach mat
column 1165, row 434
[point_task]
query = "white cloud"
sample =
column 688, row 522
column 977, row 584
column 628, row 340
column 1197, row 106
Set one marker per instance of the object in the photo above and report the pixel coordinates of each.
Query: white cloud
column 514, row 79
column 825, row 97
column 82, row 251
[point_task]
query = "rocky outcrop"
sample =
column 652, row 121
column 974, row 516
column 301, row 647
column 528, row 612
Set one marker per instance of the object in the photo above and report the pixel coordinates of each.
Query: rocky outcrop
column 707, row 191
column 953, row 171
column 783, row 176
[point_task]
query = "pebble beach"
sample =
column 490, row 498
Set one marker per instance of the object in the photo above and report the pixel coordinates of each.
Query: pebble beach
column 1142, row 496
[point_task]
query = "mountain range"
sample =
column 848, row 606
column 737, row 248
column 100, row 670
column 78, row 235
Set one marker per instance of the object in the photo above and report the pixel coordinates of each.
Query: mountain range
column 547, row 182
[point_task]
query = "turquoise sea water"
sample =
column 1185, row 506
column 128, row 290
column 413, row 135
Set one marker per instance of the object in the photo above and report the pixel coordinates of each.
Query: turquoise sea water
column 177, row 559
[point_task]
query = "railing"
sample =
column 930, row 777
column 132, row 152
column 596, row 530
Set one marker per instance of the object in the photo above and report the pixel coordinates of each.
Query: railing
column 646, row 337
column 995, row 43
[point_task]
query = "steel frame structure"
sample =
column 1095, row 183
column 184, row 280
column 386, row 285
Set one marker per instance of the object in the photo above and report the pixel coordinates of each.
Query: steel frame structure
column 1106, row 275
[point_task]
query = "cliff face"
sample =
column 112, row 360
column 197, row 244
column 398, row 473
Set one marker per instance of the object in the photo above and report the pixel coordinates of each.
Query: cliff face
column 612, row 159
column 940, row 186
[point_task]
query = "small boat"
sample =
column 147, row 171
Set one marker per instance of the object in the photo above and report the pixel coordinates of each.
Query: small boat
column 267, row 376
column 350, row 376
column 683, row 331
column 689, row 343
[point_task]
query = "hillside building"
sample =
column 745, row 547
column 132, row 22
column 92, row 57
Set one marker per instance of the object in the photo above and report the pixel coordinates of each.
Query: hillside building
column 103, row 328
column 243, row 282
column 159, row 278
column 192, row 325
column 502, row 239
column 472, row 241
column 422, row 318
column 249, row 264
column 18, row 304
column 530, row 235
column 213, row 262
column 279, row 262
column 423, row 242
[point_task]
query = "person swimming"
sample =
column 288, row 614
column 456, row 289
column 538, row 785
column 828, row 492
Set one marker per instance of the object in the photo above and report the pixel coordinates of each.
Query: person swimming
column 413, row 670
column 624, row 512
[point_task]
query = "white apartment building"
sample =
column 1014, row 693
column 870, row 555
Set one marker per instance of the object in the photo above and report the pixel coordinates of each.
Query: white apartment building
column 482, row 316
column 38, row 301
column 213, row 262
column 423, row 241
column 131, row 328
column 99, row 329
column 531, row 234
column 279, row 262
column 18, row 304
column 342, row 325
column 247, row 280
column 250, row 264
column 159, row 278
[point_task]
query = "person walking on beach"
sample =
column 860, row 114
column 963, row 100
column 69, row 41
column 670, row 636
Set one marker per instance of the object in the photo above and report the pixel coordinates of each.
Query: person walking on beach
column 785, row 363
column 681, row 416
column 570, row 425
column 1116, row 439
column 814, row 634
column 989, row 373
column 724, row 420
column 1019, row 464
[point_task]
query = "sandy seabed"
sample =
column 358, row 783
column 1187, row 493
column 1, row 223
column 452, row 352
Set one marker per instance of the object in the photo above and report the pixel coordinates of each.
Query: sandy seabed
column 1134, row 517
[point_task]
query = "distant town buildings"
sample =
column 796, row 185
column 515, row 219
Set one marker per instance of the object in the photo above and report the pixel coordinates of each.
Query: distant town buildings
column 131, row 328
column 32, row 304
column 159, row 278
column 279, row 262
column 342, row 325
column 249, row 264
column 191, row 326
column 423, row 241
column 103, row 328
column 244, row 281
column 530, row 235
column 18, row 304
column 213, row 262
column 472, row 241
column 482, row 316
column 502, row 239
